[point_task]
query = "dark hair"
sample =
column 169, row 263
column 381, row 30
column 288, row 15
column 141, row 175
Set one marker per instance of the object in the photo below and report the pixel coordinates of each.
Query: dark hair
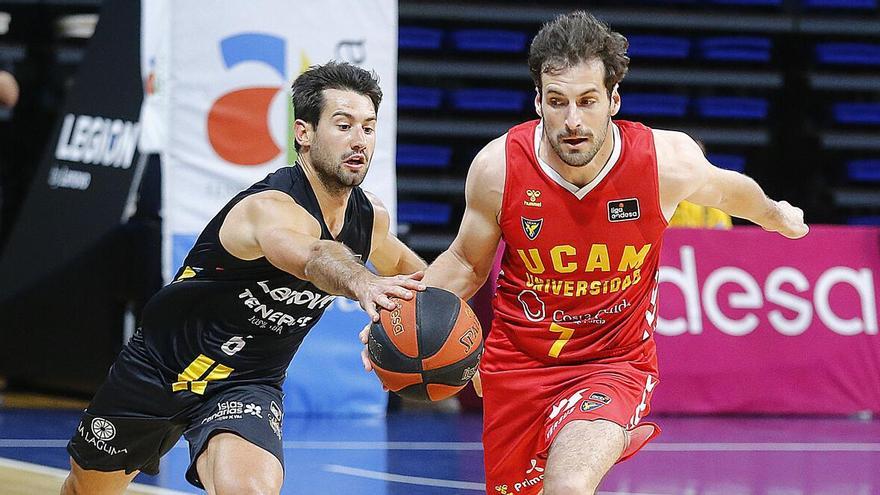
column 308, row 89
column 574, row 38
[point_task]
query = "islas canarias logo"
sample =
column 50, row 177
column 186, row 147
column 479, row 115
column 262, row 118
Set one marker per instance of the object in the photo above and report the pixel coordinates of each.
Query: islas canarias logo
column 238, row 122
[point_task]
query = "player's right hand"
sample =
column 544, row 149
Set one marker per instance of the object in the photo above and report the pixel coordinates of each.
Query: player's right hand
column 377, row 292
column 791, row 221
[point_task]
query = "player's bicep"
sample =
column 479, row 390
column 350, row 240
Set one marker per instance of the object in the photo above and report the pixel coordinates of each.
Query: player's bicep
column 477, row 239
column 479, row 234
column 271, row 225
column 685, row 173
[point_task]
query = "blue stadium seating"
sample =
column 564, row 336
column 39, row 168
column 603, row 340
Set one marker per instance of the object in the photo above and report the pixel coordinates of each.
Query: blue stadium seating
column 489, row 40
column 489, row 100
column 857, row 113
column 736, row 48
column 749, row 3
column 419, row 38
column 841, row 4
column 732, row 107
column 864, row 220
column 670, row 47
column 414, row 97
column 864, row 170
column 654, row 104
column 848, row 53
column 423, row 156
column 423, row 212
column 737, row 163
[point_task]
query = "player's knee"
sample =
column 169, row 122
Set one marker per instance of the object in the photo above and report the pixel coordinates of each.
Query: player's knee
column 244, row 484
column 71, row 486
column 568, row 484
column 74, row 484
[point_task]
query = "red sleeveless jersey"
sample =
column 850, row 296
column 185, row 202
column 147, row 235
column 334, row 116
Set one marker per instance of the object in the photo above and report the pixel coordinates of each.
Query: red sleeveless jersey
column 578, row 279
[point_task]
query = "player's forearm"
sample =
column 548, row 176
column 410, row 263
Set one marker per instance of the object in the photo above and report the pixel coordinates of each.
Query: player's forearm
column 410, row 262
column 744, row 198
column 333, row 268
column 454, row 274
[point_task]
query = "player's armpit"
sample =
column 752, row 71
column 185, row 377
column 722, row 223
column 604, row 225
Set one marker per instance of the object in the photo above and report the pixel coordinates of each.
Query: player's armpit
column 388, row 254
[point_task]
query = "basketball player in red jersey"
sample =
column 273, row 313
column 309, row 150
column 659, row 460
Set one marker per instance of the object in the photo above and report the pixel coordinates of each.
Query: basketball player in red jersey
column 581, row 202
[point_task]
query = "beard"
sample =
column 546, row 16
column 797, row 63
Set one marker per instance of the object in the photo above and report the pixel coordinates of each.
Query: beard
column 578, row 158
column 335, row 177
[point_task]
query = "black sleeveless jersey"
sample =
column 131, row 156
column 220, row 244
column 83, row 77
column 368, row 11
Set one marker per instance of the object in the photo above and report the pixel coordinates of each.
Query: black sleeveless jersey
column 225, row 320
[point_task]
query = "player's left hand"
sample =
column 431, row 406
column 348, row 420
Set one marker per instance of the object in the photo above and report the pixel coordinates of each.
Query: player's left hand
column 790, row 221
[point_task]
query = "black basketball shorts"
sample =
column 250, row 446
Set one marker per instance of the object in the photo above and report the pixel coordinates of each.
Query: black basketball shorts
column 135, row 418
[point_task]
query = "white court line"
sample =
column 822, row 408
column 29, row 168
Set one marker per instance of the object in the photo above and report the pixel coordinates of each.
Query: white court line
column 399, row 478
column 477, row 446
column 61, row 474
column 763, row 447
column 457, row 446
column 418, row 480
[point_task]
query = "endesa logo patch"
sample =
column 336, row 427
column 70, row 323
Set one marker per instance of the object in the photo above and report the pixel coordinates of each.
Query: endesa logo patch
column 622, row 210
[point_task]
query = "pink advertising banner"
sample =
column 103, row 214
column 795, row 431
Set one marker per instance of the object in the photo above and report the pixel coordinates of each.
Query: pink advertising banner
column 756, row 323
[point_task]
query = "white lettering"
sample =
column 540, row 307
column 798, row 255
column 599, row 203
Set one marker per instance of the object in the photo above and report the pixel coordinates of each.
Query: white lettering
column 62, row 150
column 686, row 280
column 97, row 141
column 863, row 282
column 750, row 299
column 774, row 294
column 69, row 179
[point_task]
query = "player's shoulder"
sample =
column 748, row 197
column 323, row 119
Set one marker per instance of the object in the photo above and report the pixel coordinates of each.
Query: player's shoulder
column 272, row 207
column 490, row 162
column 675, row 142
column 381, row 217
column 679, row 158
column 268, row 202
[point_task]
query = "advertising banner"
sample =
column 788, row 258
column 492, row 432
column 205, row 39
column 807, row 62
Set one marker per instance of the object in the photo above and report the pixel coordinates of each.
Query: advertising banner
column 229, row 120
column 752, row 322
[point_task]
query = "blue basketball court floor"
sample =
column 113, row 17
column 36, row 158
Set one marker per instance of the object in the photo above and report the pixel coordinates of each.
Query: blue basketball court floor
column 440, row 454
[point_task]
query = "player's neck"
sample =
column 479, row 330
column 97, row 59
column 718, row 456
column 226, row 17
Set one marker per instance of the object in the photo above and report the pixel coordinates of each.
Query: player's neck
column 333, row 201
column 579, row 176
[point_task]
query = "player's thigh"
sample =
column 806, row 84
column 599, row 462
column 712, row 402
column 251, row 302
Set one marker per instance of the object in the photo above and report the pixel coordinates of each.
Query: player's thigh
column 235, row 441
column 81, row 481
column 581, row 455
column 232, row 465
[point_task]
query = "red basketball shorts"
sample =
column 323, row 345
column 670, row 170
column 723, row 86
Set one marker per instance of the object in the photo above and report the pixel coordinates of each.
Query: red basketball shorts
column 525, row 409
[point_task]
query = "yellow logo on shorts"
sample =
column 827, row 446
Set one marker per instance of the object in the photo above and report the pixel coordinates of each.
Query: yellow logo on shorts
column 590, row 405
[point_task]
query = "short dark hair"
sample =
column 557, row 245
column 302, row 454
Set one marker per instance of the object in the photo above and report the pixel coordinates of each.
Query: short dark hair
column 578, row 37
column 308, row 89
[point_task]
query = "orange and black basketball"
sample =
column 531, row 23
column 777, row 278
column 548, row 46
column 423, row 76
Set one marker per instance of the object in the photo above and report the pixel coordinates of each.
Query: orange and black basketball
column 428, row 348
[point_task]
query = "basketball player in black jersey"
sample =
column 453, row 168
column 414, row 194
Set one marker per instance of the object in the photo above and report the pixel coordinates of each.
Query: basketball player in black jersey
column 213, row 347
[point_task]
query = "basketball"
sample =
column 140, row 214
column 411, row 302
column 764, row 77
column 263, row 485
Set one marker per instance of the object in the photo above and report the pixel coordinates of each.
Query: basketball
column 428, row 348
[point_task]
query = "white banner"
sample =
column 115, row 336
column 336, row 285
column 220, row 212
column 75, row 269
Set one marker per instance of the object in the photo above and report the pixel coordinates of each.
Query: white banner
column 228, row 89
column 154, row 72
column 226, row 95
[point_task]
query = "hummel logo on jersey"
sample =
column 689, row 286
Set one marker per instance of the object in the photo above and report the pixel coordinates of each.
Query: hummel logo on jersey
column 533, row 195
column 622, row 210
column 532, row 227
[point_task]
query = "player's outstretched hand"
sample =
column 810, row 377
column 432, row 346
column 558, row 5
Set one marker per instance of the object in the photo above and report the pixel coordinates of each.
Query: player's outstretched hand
column 791, row 221
column 377, row 292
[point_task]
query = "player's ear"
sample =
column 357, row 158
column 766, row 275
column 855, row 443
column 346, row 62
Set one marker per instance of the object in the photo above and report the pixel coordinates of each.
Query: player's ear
column 538, row 102
column 303, row 132
column 615, row 100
